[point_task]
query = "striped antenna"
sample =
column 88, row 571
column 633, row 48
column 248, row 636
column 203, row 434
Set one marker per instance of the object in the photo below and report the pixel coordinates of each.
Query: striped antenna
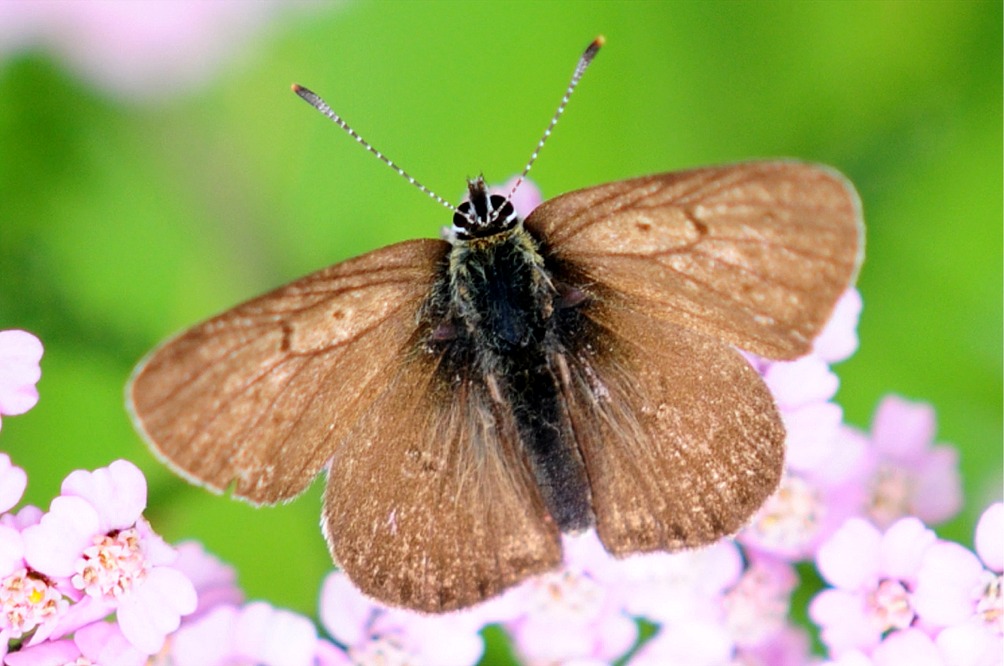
column 580, row 69
column 315, row 101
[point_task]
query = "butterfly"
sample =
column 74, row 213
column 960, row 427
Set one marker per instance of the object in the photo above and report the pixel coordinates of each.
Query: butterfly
column 472, row 398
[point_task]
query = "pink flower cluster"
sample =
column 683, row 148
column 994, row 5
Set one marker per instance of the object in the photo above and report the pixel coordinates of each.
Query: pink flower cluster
column 89, row 582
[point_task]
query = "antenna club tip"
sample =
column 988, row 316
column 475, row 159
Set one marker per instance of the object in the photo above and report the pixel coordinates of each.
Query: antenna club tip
column 593, row 48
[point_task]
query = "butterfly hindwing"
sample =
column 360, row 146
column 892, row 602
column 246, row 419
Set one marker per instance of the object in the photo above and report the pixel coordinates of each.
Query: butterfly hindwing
column 755, row 254
column 430, row 503
column 261, row 395
column 680, row 436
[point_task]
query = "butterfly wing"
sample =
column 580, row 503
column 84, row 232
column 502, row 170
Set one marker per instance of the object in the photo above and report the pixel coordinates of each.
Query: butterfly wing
column 680, row 436
column 755, row 254
column 430, row 504
column 262, row 395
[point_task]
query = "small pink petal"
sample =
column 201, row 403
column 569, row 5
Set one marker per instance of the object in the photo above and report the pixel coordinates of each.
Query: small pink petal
column 849, row 559
column 273, row 636
column 442, row 641
column 20, row 353
column 990, row 537
column 948, row 576
column 937, row 493
column 909, row 646
column 118, row 492
column 970, row 645
column 691, row 643
column 903, row 547
column 526, row 198
column 208, row 641
column 11, row 550
column 102, row 643
column 813, row 436
column 53, row 546
column 842, row 620
column 13, row 481
column 153, row 609
column 215, row 583
column 902, row 429
column 839, row 338
column 345, row 612
column 56, row 653
column 801, row 382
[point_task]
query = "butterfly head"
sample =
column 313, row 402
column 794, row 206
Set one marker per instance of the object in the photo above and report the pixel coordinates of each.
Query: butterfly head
column 483, row 214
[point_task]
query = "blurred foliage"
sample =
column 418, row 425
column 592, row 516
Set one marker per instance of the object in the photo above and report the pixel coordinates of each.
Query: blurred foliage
column 122, row 221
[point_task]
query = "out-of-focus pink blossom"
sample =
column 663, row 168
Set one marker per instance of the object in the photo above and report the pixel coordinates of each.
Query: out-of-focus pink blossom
column 958, row 593
column 215, row 583
column 374, row 634
column 907, row 475
column 526, row 198
column 909, row 647
column 120, row 46
column 756, row 608
column 872, row 575
column 578, row 611
column 255, row 633
column 20, row 353
column 100, row 643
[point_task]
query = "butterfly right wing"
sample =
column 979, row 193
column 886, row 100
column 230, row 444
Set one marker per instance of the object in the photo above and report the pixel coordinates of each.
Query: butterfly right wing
column 261, row 395
column 679, row 434
column 756, row 253
column 431, row 503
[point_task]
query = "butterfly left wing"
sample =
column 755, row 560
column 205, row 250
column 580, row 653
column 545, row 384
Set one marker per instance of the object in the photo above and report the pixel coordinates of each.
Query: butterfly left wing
column 430, row 503
column 680, row 436
column 263, row 394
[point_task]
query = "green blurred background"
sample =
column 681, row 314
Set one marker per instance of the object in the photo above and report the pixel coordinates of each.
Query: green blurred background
column 125, row 219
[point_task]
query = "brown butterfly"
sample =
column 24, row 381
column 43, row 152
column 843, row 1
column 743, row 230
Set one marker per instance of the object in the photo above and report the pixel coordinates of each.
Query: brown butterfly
column 473, row 398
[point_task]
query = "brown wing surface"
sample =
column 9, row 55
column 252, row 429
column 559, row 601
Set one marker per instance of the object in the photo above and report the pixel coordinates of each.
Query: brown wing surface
column 430, row 504
column 261, row 395
column 680, row 436
column 755, row 254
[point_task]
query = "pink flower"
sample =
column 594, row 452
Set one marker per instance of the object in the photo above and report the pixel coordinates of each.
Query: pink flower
column 20, row 353
column 524, row 200
column 120, row 46
column 215, row 583
column 95, row 539
column 372, row 634
column 873, row 575
column 255, row 633
column 99, row 643
column 907, row 475
column 577, row 612
column 756, row 608
column 812, row 502
column 958, row 592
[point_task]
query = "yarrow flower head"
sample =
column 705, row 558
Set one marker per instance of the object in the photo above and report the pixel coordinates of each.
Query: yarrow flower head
column 961, row 593
column 95, row 540
column 873, row 575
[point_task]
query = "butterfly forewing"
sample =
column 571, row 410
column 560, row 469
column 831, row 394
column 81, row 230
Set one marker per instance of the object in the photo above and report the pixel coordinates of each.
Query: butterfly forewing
column 430, row 503
column 261, row 395
column 755, row 254
column 679, row 434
